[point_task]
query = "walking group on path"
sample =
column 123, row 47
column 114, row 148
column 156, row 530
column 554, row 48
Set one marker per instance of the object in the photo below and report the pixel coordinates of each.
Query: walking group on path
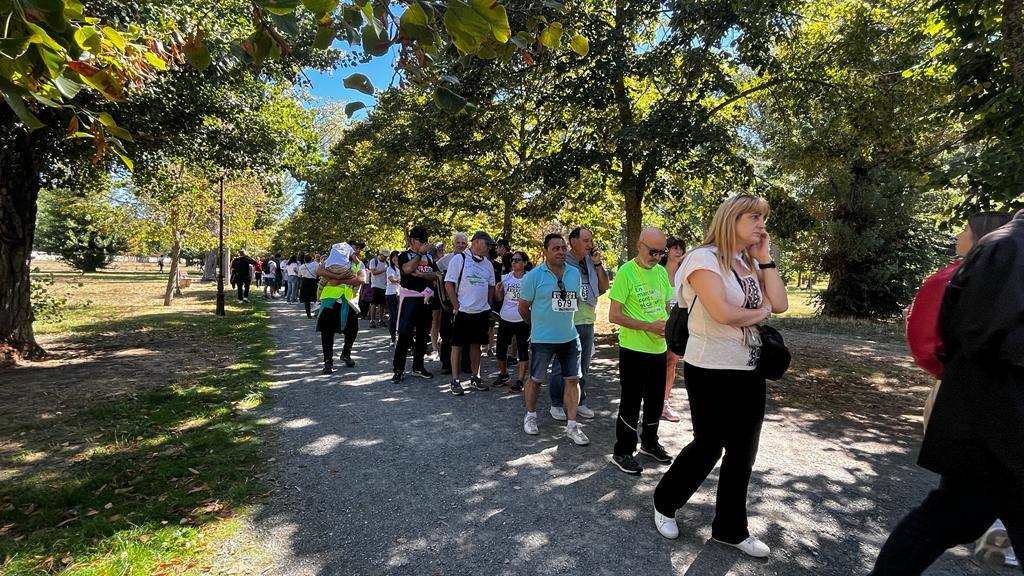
column 967, row 327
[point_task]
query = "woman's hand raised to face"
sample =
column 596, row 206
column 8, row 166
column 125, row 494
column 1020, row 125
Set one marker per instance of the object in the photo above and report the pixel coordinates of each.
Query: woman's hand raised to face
column 761, row 251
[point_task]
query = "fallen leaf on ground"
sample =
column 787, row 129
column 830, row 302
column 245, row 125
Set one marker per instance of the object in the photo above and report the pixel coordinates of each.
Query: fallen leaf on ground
column 144, row 538
column 108, row 505
column 5, row 529
column 193, row 470
column 66, row 522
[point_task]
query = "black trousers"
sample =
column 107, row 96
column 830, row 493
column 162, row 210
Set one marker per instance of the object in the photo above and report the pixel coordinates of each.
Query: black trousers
column 242, row 284
column 350, row 333
column 520, row 331
column 957, row 512
column 414, row 318
column 642, row 378
column 727, row 410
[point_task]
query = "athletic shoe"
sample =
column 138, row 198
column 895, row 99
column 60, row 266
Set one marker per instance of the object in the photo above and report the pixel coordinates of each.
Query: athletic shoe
column 348, row 361
column 657, row 452
column 576, row 435
column 477, row 384
column 627, row 464
column 992, row 546
column 501, row 380
column 751, row 547
column 666, row 525
column 1011, row 558
column 373, row 324
column 246, row 300
column 397, row 377
column 422, row 373
column 328, row 368
column 239, row 301
column 530, row 424
column 667, row 413
column 583, row 412
column 457, row 389
column 558, row 413
column 516, row 388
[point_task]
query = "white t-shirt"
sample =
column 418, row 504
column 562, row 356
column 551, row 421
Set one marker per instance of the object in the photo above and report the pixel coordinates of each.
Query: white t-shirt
column 308, row 270
column 713, row 345
column 442, row 262
column 393, row 279
column 292, row 269
column 271, row 267
column 378, row 280
column 476, row 279
column 510, row 305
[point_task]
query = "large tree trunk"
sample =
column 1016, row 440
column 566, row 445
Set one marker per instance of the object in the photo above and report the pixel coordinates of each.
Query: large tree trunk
column 1013, row 37
column 210, row 268
column 172, row 279
column 19, row 190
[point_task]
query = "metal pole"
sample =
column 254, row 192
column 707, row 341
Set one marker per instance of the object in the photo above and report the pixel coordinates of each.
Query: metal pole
column 220, row 254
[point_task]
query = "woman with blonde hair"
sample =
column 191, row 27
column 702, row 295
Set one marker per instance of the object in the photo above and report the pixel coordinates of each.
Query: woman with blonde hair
column 730, row 284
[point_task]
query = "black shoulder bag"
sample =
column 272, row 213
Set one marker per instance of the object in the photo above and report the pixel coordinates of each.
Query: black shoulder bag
column 775, row 357
column 677, row 330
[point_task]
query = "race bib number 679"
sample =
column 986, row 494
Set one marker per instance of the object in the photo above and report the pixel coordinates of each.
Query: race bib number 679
column 568, row 303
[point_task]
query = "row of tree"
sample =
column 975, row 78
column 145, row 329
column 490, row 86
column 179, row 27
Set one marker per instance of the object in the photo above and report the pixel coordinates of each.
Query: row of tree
column 873, row 127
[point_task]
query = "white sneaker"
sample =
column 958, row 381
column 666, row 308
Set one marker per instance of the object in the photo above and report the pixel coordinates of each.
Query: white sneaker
column 558, row 413
column 666, row 525
column 751, row 547
column 991, row 548
column 530, row 424
column 576, row 435
column 584, row 412
column 1011, row 558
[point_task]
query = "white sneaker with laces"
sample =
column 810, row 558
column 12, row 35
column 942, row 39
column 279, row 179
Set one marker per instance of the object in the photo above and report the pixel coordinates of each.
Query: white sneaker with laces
column 583, row 412
column 530, row 424
column 751, row 547
column 558, row 413
column 576, row 435
column 666, row 525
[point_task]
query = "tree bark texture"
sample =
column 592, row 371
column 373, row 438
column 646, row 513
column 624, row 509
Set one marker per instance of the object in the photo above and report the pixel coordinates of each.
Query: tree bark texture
column 19, row 190
column 1013, row 37
column 172, row 278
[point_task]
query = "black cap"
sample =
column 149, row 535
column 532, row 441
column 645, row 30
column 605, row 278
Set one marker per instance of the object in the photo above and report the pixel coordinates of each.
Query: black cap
column 419, row 233
column 481, row 235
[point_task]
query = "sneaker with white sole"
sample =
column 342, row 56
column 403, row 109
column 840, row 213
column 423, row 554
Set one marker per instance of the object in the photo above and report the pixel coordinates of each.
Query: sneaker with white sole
column 576, row 435
column 669, row 414
column 993, row 545
column 558, row 413
column 751, row 547
column 666, row 525
column 530, row 425
column 583, row 412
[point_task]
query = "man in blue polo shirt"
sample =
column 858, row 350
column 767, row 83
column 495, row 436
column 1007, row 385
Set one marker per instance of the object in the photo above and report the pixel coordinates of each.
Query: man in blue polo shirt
column 548, row 299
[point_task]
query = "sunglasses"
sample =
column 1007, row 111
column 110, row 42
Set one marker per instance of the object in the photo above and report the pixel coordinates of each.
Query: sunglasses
column 561, row 288
column 654, row 251
column 518, row 260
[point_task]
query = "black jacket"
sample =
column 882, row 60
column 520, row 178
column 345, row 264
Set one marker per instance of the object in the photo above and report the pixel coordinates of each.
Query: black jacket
column 978, row 418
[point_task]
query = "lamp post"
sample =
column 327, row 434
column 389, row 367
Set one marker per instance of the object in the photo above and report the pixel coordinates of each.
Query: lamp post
column 220, row 254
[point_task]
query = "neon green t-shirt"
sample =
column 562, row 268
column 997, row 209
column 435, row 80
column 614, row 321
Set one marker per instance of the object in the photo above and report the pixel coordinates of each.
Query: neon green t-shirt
column 643, row 294
column 586, row 314
column 340, row 291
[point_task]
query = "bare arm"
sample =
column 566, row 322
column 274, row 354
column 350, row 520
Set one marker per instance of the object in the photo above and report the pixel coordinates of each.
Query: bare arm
column 453, row 297
column 775, row 290
column 524, row 309
column 617, row 316
column 490, row 296
column 711, row 292
column 499, row 292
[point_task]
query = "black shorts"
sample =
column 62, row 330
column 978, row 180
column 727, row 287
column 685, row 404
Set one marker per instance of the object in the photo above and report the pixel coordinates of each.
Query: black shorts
column 379, row 297
column 471, row 328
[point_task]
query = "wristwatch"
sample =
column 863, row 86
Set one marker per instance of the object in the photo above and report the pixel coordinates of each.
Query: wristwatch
column 768, row 265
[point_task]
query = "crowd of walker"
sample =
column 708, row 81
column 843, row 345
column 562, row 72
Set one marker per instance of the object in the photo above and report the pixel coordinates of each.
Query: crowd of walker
column 966, row 327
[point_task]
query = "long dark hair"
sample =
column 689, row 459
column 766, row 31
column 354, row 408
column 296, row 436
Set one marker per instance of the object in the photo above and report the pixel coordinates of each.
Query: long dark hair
column 983, row 223
column 671, row 243
column 391, row 259
column 293, row 260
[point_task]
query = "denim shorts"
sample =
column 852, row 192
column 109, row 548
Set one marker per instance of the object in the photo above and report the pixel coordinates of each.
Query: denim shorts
column 566, row 354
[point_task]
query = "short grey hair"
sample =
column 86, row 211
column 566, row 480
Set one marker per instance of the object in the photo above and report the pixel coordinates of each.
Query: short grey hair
column 460, row 236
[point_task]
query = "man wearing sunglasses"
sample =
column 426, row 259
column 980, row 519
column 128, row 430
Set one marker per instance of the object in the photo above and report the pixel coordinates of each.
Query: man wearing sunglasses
column 639, row 304
column 593, row 282
column 548, row 299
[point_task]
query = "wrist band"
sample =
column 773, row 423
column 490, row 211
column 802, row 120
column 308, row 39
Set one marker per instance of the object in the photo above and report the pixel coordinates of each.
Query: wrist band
column 768, row 265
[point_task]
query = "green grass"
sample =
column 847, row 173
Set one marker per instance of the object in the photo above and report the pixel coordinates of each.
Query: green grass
column 170, row 468
column 803, row 316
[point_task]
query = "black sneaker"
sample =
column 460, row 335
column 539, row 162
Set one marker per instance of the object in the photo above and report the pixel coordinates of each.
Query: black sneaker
column 397, row 377
column 328, row 368
column 457, row 388
column 477, row 384
column 348, row 361
column 501, row 380
column 422, row 373
column 516, row 388
column 657, row 452
column 627, row 464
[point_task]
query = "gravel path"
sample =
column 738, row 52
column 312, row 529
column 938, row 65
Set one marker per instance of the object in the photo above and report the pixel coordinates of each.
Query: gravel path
column 368, row 477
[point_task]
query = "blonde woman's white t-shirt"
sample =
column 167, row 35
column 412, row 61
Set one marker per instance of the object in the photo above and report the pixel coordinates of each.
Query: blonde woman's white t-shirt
column 712, row 345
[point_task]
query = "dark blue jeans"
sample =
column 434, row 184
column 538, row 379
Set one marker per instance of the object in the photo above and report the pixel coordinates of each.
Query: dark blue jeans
column 557, row 387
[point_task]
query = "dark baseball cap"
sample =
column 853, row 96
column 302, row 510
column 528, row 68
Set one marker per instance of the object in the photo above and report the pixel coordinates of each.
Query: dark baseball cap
column 419, row 233
column 481, row 235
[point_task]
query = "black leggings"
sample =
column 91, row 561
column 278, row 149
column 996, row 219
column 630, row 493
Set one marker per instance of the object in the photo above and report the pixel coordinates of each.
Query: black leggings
column 506, row 332
column 242, row 284
column 727, row 409
column 350, row 333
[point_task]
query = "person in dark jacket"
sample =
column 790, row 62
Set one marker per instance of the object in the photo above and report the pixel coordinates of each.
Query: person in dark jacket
column 241, row 273
column 975, row 436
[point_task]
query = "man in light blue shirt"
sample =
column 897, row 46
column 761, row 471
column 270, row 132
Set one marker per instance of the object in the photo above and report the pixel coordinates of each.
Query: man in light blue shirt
column 548, row 299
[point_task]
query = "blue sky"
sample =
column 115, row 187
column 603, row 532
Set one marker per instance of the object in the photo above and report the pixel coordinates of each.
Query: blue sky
column 379, row 70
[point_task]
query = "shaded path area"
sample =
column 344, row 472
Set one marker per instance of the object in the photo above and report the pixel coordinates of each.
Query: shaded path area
column 369, row 477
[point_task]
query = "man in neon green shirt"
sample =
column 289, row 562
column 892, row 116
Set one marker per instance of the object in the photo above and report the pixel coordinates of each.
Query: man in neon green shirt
column 639, row 305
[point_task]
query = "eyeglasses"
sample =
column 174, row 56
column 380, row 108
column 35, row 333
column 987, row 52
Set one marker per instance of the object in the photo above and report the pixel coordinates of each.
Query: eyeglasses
column 654, row 251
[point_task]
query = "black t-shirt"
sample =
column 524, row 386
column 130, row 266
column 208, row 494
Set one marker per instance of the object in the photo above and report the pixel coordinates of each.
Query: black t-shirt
column 240, row 265
column 415, row 282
